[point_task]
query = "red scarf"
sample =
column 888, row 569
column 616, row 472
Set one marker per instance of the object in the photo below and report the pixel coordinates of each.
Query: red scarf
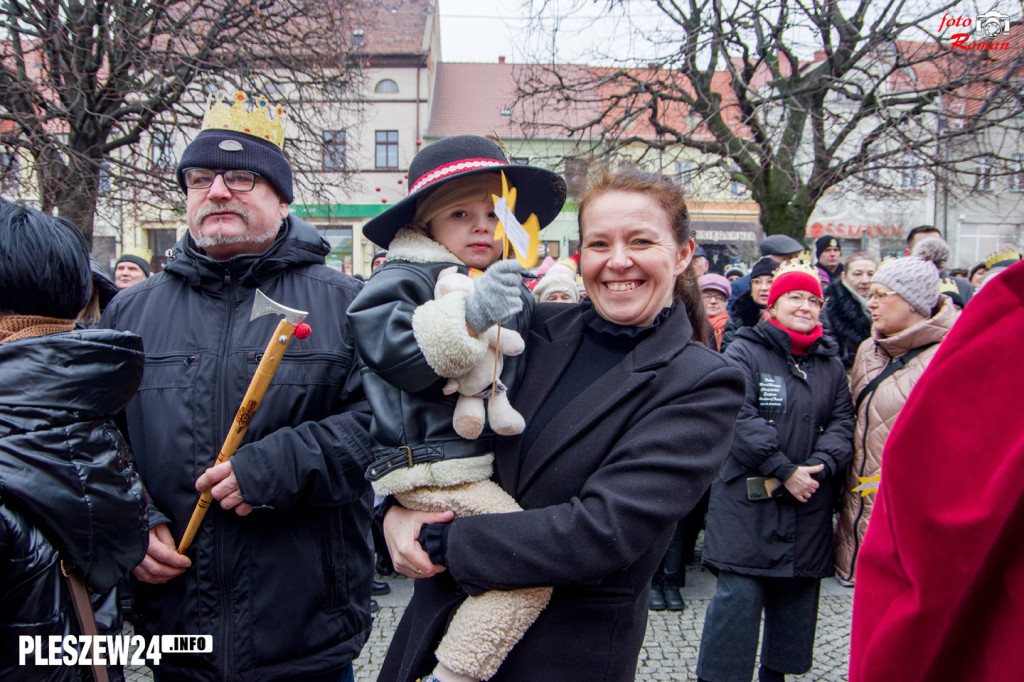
column 800, row 342
column 718, row 323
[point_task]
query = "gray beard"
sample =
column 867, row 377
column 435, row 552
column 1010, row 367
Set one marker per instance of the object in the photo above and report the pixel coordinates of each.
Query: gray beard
column 220, row 239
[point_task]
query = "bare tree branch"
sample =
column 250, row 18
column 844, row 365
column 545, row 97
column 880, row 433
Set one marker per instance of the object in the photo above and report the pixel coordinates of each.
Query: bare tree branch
column 793, row 98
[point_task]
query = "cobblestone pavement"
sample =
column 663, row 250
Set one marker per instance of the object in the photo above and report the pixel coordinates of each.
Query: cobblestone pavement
column 670, row 647
column 673, row 638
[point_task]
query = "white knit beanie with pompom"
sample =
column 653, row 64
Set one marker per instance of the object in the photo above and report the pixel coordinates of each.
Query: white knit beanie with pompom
column 916, row 277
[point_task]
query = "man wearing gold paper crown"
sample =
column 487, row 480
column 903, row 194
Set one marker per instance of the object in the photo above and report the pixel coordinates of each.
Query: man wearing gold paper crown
column 280, row 570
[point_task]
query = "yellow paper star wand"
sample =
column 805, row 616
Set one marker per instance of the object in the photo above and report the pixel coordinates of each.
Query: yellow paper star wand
column 524, row 237
column 867, row 485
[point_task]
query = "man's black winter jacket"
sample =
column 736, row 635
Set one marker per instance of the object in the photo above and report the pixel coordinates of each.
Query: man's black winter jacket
column 284, row 591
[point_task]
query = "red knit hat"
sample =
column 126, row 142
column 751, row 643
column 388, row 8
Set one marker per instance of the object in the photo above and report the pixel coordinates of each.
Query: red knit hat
column 795, row 275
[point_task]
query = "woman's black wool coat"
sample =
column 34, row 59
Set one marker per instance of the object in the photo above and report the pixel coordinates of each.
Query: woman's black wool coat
column 602, row 486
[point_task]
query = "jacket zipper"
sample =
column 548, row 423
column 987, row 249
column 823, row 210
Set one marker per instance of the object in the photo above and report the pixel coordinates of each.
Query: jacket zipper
column 223, row 581
column 860, row 474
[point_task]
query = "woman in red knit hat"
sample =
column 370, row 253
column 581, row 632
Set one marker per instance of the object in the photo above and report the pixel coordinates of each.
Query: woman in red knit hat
column 769, row 523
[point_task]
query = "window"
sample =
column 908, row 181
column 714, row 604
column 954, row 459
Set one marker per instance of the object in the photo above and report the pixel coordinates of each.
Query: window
column 103, row 185
column 162, row 150
column 985, row 168
column 520, row 161
column 908, row 178
column 872, row 177
column 9, row 179
column 275, row 92
column 340, row 239
column 977, row 240
column 737, row 188
column 159, row 243
column 1017, row 173
column 386, row 150
column 575, row 174
column 386, row 87
column 684, row 175
column 334, row 149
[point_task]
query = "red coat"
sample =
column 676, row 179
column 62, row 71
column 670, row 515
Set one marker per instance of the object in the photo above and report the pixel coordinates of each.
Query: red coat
column 940, row 584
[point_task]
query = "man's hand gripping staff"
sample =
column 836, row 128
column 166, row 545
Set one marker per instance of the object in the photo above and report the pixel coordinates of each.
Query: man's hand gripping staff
column 288, row 327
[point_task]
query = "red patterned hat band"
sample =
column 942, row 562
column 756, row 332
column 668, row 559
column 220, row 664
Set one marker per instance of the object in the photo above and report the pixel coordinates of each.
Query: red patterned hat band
column 449, row 169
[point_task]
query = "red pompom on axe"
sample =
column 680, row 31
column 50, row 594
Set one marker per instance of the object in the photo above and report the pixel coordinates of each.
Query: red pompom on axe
column 288, row 327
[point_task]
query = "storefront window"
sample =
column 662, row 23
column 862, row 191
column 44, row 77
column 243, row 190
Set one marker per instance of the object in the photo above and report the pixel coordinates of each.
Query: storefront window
column 978, row 240
column 159, row 243
column 340, row 239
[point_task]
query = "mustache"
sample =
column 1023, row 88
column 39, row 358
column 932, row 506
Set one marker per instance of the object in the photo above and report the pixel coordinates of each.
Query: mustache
column 208, row 209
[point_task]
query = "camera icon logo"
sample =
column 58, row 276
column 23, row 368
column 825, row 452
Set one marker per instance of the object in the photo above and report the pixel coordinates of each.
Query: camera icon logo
column 992, row 24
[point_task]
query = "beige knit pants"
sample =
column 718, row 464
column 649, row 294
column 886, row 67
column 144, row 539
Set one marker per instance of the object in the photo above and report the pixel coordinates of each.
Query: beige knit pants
column 485, row 628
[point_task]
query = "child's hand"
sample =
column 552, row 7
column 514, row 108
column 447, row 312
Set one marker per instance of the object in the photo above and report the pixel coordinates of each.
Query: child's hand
column 401, row 529
column 496, row 296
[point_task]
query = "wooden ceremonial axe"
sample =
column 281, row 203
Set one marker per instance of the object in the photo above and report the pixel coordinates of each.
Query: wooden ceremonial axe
column 290, row 326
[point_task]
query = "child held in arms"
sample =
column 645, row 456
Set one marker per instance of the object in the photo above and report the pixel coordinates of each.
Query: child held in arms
column 415, row 335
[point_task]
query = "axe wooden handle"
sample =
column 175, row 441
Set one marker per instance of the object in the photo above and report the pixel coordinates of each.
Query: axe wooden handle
column 253, row 396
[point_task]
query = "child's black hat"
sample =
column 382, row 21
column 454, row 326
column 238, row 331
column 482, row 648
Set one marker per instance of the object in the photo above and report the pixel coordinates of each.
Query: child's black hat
column 538, row 191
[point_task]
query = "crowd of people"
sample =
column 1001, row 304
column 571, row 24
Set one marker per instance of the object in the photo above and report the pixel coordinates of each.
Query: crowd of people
column 630, row 399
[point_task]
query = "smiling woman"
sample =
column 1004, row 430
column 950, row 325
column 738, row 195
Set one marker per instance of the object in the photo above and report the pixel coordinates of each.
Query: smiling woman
column 627, row 420
column 776, row 488
column 636, row 244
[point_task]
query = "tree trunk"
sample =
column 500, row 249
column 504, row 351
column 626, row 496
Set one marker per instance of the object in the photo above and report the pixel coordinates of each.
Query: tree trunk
column 71, row 189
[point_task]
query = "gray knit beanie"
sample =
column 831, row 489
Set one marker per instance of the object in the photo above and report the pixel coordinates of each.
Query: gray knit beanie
column 916, row 277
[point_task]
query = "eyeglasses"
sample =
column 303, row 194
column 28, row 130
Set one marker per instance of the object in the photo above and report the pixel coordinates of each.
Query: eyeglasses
column 879, row 296
column 797, row 300
column 707, row 296
column 234, row 180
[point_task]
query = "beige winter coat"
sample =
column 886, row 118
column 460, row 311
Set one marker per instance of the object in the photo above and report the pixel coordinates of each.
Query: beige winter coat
column 876, row 416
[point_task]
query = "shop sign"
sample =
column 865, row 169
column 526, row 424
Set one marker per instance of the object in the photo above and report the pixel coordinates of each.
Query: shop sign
column 711, row 236
column 854, row 230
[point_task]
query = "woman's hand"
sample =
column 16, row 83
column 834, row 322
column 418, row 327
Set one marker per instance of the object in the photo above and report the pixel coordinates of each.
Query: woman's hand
column 401, row 530
column 801, row 484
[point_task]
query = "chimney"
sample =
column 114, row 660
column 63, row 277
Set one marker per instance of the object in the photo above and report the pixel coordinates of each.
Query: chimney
column 501, row 59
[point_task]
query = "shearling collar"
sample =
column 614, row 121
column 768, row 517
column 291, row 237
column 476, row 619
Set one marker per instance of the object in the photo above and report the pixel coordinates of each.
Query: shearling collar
column 415, row 247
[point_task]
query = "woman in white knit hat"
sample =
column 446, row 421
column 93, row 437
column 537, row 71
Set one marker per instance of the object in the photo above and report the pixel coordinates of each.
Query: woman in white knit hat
column 558, row 285
column 910, row 317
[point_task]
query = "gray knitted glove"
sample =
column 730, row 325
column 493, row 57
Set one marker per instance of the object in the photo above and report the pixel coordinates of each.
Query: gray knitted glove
column 496, row 295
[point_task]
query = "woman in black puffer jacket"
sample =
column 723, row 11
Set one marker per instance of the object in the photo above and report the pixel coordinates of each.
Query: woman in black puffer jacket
column 769, row 523
column 68, row 490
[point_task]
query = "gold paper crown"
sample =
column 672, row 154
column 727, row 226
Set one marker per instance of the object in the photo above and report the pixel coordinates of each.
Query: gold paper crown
column 948, row 286
column 797, row 265
column 567, row 262
column 144, row 254
column 259, row 123
column 1007, row 254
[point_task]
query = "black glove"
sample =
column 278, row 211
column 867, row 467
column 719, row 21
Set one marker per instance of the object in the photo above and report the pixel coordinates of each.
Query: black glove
column 496, row 296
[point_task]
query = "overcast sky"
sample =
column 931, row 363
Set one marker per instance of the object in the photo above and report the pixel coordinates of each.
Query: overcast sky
column 483, row 30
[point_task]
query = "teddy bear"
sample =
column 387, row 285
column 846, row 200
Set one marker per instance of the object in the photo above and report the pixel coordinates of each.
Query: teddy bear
column 481, row 382
column 485, row 627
